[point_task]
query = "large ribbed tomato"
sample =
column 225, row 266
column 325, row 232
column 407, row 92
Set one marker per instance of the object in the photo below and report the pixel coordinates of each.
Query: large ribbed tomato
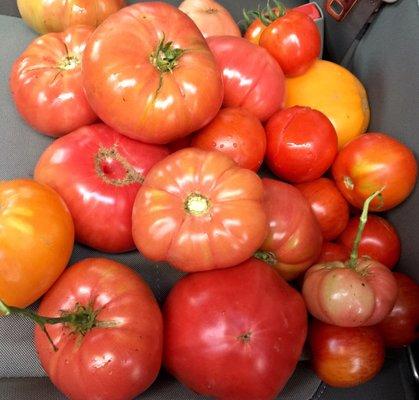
column 199, row 211
column 149, row 74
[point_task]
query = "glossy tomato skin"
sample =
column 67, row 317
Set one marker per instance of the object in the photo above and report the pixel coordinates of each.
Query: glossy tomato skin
column 345, row 357
column 294, row 41
column 400, row 327
column 248, row 341
column 46, row 83
column 379, row 241
column 333, row 252
column 252, row 78
column 56, row 15
column 98, row 172
column 210, row 17
column 237, row 133
column 148, row 98
column 329, row 207
column 254, row 31
column 372, row 162
column 350, row 297
column 294, row 240
column 36, row 240
column 301, row 144
column 117, row 361
column 202, row 204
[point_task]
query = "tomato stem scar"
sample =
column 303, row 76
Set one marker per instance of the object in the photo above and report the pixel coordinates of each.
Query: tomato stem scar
column 266, row 256
column 197, row 205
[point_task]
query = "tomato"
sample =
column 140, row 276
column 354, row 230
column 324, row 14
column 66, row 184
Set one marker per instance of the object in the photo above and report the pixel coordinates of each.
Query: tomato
column 99, row 333
column 379, row 241
column 98, row 172
column 301, row 144
column 333, row 252
column 210, row 17
column 46, row 83
column 237, row 133
column 252, row 78
column 143, row 74
column 36, row 240
column 329, row 207
column 294, row 240
column 57, row 15
column 293, row 40
column 334, row 91
column 199, row 211
column 234, row 334
column 345, row 357
column 400, row 327
column 254, row 31
column 359, row 292
column 373, row 162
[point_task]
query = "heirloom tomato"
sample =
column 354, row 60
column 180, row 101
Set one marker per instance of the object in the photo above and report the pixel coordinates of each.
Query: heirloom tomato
column 199, row 211
column 46, row 82
column 36, row 240
column 98, row 172
column 234, row 334
column 252, row 78
column 149, row 74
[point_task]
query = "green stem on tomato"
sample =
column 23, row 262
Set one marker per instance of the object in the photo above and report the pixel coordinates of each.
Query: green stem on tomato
column 362, row 222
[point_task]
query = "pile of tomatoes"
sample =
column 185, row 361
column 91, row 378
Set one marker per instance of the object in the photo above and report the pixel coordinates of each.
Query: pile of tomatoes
column 161, row 122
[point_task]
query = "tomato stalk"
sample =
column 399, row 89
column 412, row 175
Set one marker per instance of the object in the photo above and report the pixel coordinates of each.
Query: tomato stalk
column 266, row 256
column 166, row 56
column 267, row 15
column 362, row 222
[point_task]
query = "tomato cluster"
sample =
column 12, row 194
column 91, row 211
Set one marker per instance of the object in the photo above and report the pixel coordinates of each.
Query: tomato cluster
column 171, row 170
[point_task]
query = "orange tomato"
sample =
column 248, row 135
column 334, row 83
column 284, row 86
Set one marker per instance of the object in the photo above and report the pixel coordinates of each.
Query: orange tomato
column 335, row 92
column 36, row 240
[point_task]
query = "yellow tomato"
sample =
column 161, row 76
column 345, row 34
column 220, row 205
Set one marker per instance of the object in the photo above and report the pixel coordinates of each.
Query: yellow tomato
column 36, row 240
column 57, row 15
column 335, row 92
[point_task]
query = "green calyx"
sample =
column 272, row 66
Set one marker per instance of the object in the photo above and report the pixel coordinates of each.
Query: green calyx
column 267, row 14
column 166, row 57
column 266, row 256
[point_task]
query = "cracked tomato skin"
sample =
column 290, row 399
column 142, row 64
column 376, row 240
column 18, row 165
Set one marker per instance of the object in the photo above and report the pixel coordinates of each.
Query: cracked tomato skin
column 117, row 361
column 199, row 211
column 234, row 334
column 46, row 83
column 135, row 89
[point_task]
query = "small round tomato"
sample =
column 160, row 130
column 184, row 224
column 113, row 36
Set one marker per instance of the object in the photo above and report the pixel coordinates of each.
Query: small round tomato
column 293, row 40
column 46, row 83
column 333, row 252
column 237, row 133
column 251, row 76
column 379, row 241
column 36, row 240
column 373, row 162
column 328, row 205
column 301, row 144
column 254, row 31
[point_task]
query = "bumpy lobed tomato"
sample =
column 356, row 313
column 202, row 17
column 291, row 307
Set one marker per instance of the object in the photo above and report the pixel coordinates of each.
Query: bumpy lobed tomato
column 46, row 82
column 333, row 252
column 199, row 211
column 210, row 17
column 294, row 240
column 57, row 15
column 98, row 172
column 237, row 133
column 372, row 162
column 345, row 357
column 234, row 334
column 401, row 326
column 329, row 207
column 36, row 240
column 334, row 91
column 301, row 144
column 252, row 78
column 144, row 72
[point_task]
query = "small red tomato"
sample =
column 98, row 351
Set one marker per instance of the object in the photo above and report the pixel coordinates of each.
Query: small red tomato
column 254, row 31
column 294, row 41
column 237, row 133
column 400, row 328
column 301, row 144
column 379, row 241
column 333, row 252
column 371, row 162
column 345, row 357
column 328, row 205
